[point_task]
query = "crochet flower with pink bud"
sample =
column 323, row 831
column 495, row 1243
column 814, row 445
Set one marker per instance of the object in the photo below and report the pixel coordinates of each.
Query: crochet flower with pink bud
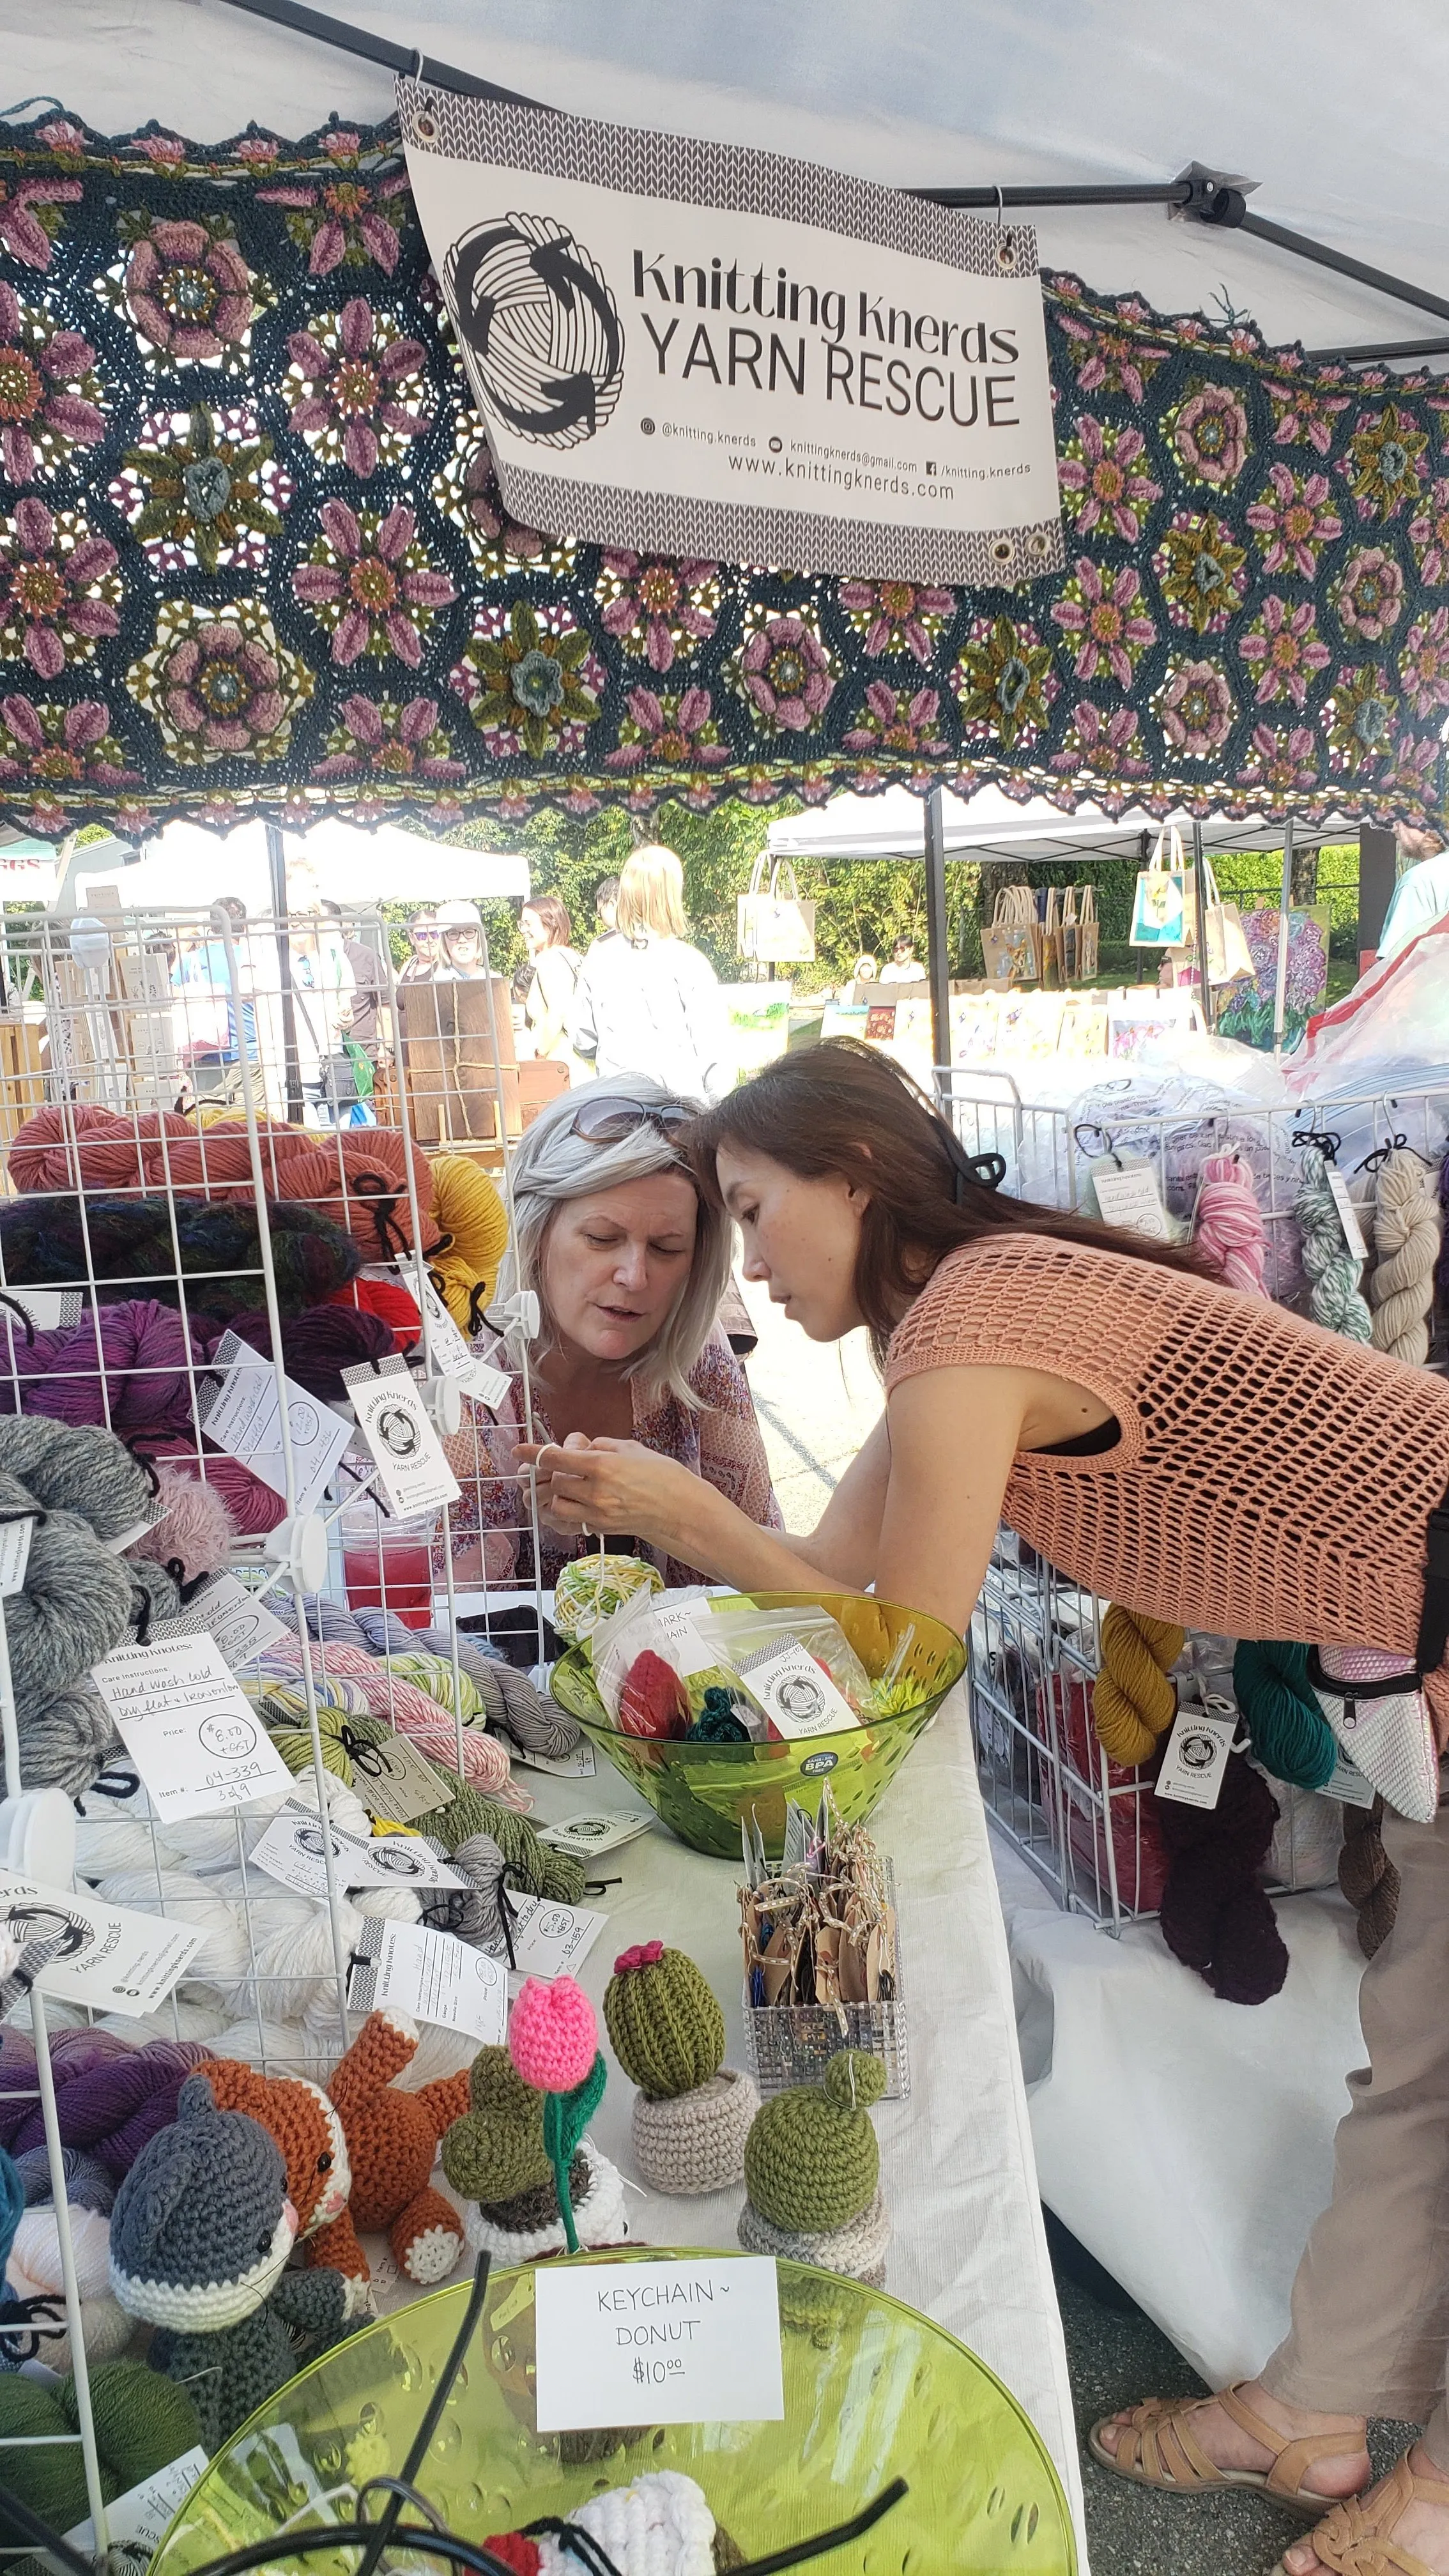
column 645, row 1954
column 553, row 2037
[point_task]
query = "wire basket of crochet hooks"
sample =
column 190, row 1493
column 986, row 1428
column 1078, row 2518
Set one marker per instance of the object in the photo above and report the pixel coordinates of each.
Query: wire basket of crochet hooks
column 204, row 1176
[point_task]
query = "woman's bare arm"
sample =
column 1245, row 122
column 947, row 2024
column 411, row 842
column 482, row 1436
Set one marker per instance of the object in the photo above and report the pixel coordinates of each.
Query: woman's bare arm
column 954, row 1434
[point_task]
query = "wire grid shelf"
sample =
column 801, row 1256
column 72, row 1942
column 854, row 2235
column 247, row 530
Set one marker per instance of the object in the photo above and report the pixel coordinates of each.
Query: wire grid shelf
column 176, row 1055
column 1082, row 1822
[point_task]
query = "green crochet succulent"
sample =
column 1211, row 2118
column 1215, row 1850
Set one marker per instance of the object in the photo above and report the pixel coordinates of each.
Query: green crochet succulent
column 811, row 2159
column 667, row 2031
column 495, row 2152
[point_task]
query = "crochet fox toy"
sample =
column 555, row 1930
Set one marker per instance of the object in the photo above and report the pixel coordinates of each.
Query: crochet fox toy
column 308, row 2129
column 392, row 2141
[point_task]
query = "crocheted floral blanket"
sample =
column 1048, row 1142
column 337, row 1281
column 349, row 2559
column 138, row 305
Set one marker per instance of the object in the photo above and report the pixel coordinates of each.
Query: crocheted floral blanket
column 253, row 558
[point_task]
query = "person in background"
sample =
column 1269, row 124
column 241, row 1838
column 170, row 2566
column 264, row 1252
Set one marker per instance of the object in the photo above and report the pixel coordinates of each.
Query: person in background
column 463, row 960
column 905, row 966
column 205, row 1016
column 1421, row 896
column 629, row 1261
column 648, row 1001
column 425, row 939
column 322, row 990
column 866, row 969
column 370, row 981
column 606, row 907
column 548, row 1001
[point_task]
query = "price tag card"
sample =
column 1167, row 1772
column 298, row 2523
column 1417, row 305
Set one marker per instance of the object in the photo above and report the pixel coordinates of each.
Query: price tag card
column 291, row 1851
column 136, row 2522
column 447, row 1346
column 1349, row 1784
column 195, row 1738
column 694, row 2341
column 411, row 1468
column 242, row 1626
column 594, row 1831
column 549, row 1940
column 1131, row 1198
column 490, row 1386
column 1347, row 1216
column 243, row 1415
column 15, row 1538
column 395, row 1784
column 49, row 1309
column 797, row 1697
column 1196, row 1759
column 432, row 1976
column 578, row 1765
column 115, row 1960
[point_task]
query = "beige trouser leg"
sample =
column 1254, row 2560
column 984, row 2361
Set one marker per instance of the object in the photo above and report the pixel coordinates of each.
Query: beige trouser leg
column 1371, row 2295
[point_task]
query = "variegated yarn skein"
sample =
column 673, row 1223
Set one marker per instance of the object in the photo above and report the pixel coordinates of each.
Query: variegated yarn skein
column 1229, row 1231
column 1332, row 1270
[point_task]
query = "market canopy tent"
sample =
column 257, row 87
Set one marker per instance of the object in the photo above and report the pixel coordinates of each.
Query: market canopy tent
column 185, row 869
column 253, row 560
column 992, row 828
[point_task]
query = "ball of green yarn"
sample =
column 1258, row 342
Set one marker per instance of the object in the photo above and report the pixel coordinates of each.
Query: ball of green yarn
column 294, row 1743
column 532, row 1866
column 50, row 2479
column 495, row 2151
column 143, row 2420
column 666, row 2028
column 811, row 2160
column 1290, row 1735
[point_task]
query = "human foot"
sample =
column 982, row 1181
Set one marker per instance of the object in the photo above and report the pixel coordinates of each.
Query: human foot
column 1407, row 2513
column 1214, row 2428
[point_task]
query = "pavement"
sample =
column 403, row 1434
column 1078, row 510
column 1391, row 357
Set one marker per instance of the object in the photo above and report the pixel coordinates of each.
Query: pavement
column 816, row 1403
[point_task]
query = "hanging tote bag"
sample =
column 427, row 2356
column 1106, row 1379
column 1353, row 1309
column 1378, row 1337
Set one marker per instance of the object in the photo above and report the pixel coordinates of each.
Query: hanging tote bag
column 1053, row 943
column 1011, row 941
column 1160, row 911
column 1229, row 956
column 775, row 927
column 1087, row 931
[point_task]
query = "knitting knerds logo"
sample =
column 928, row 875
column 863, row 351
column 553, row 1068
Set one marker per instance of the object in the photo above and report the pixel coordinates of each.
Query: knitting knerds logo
column 539, row 327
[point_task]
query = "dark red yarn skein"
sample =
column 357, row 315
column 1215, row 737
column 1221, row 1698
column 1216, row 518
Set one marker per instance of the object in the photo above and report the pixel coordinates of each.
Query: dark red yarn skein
column 1215, row 1917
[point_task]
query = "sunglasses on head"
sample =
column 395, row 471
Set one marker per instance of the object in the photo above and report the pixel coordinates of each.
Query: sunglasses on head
column 608, row 1122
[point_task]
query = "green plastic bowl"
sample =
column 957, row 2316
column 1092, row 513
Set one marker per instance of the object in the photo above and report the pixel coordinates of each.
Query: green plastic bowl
column 872, row 2392
column 703, row 1792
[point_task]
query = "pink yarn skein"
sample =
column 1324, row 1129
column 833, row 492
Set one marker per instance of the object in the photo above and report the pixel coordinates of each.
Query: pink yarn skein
column 1230, row 1233
column 553, row 2038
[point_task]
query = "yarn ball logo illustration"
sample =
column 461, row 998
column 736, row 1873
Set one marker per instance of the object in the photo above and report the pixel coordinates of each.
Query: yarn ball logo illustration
column 1198, row 1752
column 801, row 1699
column 398, row 1432
column 39, row 1922
column 539, row 327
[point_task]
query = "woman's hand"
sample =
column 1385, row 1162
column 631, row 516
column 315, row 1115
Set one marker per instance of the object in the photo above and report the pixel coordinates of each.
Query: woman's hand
column 593, row 1485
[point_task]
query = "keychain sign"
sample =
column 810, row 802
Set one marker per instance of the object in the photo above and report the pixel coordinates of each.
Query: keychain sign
column 689, row 2342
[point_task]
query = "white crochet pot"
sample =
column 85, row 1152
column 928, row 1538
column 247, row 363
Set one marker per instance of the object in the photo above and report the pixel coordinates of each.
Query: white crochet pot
column 599, row 2218
column 858, row 2251
column 696, row 2142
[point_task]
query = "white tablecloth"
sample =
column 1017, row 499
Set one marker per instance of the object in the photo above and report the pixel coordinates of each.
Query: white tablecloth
column 957, row 2163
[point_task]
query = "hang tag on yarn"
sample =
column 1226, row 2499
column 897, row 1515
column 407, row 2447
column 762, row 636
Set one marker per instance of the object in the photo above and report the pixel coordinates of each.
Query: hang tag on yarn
column 394, row 1782
column 108, row 1957
column 242, row 1625
column 549, row 1940
column 578, row 1765
column 594, row 1831
column 405, row 1449
column 50, row 1309
column 688, row 2340
column 797, row 1694
column 1349, row 1785
column 447, row 1347
column 1131, row 1198
column 196, row 1740
column 136, row 2522
column 291, row 1851
column 243, row 1415
column 409, row 1968
column 1353, row 1234
column 15, row 1538
column 1195, row 1764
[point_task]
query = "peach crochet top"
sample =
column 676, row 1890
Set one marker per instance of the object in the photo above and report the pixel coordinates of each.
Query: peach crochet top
column 1272, row 1479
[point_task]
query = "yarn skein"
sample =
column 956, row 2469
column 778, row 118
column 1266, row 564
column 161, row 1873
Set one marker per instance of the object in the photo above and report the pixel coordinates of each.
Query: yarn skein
column 75, row 1468
column 215, row 1248
column 473, row 1221
column 1406, row 1250
column 1133, row 1702
column 1215, row 1917
column 1290, row 1735
column 1367, row 1876
column 1332, row 1271
column 1230, row 1233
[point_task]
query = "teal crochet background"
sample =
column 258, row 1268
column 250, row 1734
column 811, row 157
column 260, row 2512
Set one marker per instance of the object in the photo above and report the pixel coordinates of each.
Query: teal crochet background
column 253, row 560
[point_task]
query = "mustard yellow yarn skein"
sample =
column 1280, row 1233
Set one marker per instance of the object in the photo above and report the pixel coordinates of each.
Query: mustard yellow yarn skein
column 1133, row 1702
column 467, row 1207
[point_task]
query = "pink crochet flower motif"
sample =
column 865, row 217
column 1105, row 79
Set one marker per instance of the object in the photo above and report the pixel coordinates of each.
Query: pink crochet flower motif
column 645, row 1954
column 36, row 366
column 354, row 385
column 553, row 2038
column 22, row 232
column 190, row 294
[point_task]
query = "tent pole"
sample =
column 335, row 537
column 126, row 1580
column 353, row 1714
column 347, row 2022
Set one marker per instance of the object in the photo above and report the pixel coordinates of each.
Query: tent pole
column 938, row 962
column 277, row 863
column 1280, row 981
column 1199, row 891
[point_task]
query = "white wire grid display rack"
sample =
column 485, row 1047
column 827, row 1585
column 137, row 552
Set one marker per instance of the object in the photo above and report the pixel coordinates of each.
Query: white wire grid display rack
column 167, row 1022
column 1035, row 1645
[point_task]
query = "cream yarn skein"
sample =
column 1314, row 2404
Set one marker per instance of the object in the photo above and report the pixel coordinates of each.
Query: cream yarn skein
column 1406, row 1246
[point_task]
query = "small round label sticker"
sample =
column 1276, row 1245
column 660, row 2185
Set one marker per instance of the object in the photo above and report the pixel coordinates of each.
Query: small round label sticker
column 815, row 1763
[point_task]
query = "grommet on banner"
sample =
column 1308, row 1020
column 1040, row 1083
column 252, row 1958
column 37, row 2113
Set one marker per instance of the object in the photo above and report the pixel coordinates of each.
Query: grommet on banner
column 299, row 1547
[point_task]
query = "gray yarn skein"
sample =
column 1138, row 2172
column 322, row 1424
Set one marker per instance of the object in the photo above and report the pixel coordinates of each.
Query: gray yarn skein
column 536, row 1724
column 76, row 1467
column 68, row 1743
column 474, row 1913
column 161, row 1591
column 75, row 1606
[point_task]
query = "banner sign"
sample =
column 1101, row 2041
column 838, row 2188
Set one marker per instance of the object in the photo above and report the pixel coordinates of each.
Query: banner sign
column 689, row 349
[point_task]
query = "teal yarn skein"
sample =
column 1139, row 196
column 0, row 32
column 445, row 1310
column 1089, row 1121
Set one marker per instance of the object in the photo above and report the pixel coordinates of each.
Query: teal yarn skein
column 1331, row 1268
column 1290, row 1735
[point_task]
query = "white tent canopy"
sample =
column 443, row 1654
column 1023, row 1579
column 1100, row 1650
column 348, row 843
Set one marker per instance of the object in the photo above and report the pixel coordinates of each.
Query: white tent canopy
column 185, row 869
column 990, row 826
column 1319, row 102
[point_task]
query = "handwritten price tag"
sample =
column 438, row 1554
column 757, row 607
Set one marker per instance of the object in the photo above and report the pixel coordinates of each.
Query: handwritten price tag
column 689, row 2342
column 195, row 1738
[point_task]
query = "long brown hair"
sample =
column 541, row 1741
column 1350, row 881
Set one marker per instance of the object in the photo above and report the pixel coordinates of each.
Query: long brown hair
column 843, row 1111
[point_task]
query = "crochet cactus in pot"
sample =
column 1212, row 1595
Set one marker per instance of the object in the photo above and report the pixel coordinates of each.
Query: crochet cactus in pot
column 692, row 2114
column 812, row 2174
column 518, row 2154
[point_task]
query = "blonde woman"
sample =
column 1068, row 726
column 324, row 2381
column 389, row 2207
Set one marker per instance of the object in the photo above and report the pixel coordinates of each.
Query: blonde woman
column 647, row 1001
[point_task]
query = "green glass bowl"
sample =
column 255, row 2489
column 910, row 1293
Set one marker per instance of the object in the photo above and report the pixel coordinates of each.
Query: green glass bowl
column 872, row 2392
column 703, row 1792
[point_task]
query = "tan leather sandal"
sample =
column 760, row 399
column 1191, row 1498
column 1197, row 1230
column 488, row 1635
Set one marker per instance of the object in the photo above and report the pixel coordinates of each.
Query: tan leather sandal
column 1357, row 2537
column 1156, row 2448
